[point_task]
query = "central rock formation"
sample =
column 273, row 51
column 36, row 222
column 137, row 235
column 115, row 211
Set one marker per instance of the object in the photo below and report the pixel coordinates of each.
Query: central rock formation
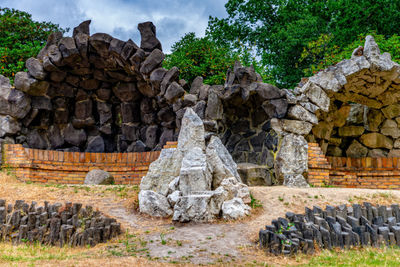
column 197, row 181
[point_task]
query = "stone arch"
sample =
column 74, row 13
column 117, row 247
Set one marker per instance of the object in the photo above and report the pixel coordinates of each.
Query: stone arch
column 350, row 109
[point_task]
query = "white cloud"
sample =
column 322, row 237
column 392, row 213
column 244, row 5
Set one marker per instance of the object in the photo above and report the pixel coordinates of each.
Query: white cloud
column 173, row 18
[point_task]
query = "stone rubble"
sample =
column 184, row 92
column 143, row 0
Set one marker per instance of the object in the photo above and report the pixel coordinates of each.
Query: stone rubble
column 197, row 181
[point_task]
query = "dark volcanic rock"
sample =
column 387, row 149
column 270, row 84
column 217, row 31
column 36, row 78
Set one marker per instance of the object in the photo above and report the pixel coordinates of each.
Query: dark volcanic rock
column 149, row 41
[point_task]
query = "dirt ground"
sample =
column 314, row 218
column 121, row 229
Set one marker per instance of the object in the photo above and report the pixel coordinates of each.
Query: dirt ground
column 160, row 242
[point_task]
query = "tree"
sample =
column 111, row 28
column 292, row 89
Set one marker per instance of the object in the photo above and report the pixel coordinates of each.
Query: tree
column 196, row 56
column 20, row 39
column 279, row 30
column 334, row 54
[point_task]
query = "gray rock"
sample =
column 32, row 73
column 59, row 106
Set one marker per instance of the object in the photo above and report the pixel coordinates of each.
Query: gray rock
column 171, row 75
column 220, row 162
column 215, row 109
column 234, row 209
column 152, row 61
column 97, row 176
column 35, row 68
column 95, row 144
column 266, row 91
column 194, row 174
column 192, row 132
column 162, row 171
column 8, row 125
column 194, row 208
column 29, row 85
column 154, row 204
column 297, row 112
column 36, row 140
column 295, row 180
column 73, row 136
column 174, row 197
column 196, row 85
column 254, row 174
column 292, row 158
column 173, row 92
column 296, row 127
column 149, row 41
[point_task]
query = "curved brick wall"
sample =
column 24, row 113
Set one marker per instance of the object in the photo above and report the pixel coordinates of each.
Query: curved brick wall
column 382, row 173
column 71, row 167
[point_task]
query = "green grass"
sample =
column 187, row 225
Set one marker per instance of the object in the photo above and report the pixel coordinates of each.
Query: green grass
column 357, row 257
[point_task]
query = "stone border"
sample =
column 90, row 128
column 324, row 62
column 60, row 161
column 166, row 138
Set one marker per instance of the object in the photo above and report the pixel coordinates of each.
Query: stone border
column 55, row 224
column 342, row 226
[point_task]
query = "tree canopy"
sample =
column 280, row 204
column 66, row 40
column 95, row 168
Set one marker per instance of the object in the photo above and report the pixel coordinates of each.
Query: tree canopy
column 196, row 56
column 20, row 39
column 278, row 31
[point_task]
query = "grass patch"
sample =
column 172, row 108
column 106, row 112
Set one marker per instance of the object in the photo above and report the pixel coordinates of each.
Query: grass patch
column 356, row 257
column 255, row 203
column 35, row 252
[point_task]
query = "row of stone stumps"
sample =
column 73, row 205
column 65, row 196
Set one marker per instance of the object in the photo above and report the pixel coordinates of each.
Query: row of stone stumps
column 342, row 226
column 55, row 224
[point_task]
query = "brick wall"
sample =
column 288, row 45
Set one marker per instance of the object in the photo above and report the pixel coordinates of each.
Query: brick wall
column 71, row 167
column 318, row 166
column 382, row 173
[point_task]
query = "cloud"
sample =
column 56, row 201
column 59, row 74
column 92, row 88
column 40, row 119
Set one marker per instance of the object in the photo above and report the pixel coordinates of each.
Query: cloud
column 173, row 18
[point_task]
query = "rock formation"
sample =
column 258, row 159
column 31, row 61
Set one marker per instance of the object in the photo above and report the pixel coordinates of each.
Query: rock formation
column 341, row 226
column 197, row 181
column 55, row 224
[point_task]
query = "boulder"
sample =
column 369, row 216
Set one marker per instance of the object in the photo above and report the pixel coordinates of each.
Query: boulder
column 294, row 180
column 221, row 162
column 73, row 136
column 376, row 140
column 356, row 150
column 98, row 177
column 215, row 109
column 8, row 125
column 295, row 126
column 318, row 97
column 297, row 112
column 275, row 108
column 234, row 209
column 35, row 68
column 24, row 82
column 174, row 197
column 195, row 207
column 254, row 174
column 233, row 189
column 149, row 41
column 351, row 131
column 13, row 102
column 194, row 173
column 154, row 204
column 171, row 75
column 378, row 153
column 162, row 171
column 174, row 91
column 196, row 85
column 375, row 118
column 292, row 159
column 95, row 144
column 36, row 140
column 192, row 132
column 391, row 111
column 390, row 128
column 266, row 91
column 152, row 61
column 394, row 153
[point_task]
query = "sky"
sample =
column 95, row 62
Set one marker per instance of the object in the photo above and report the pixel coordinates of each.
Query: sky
column 119, row 18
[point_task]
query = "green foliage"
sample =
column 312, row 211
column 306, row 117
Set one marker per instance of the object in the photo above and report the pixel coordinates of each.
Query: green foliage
column 279, row 30
column 323, row 54
column 20, row 39
column 196, row 56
